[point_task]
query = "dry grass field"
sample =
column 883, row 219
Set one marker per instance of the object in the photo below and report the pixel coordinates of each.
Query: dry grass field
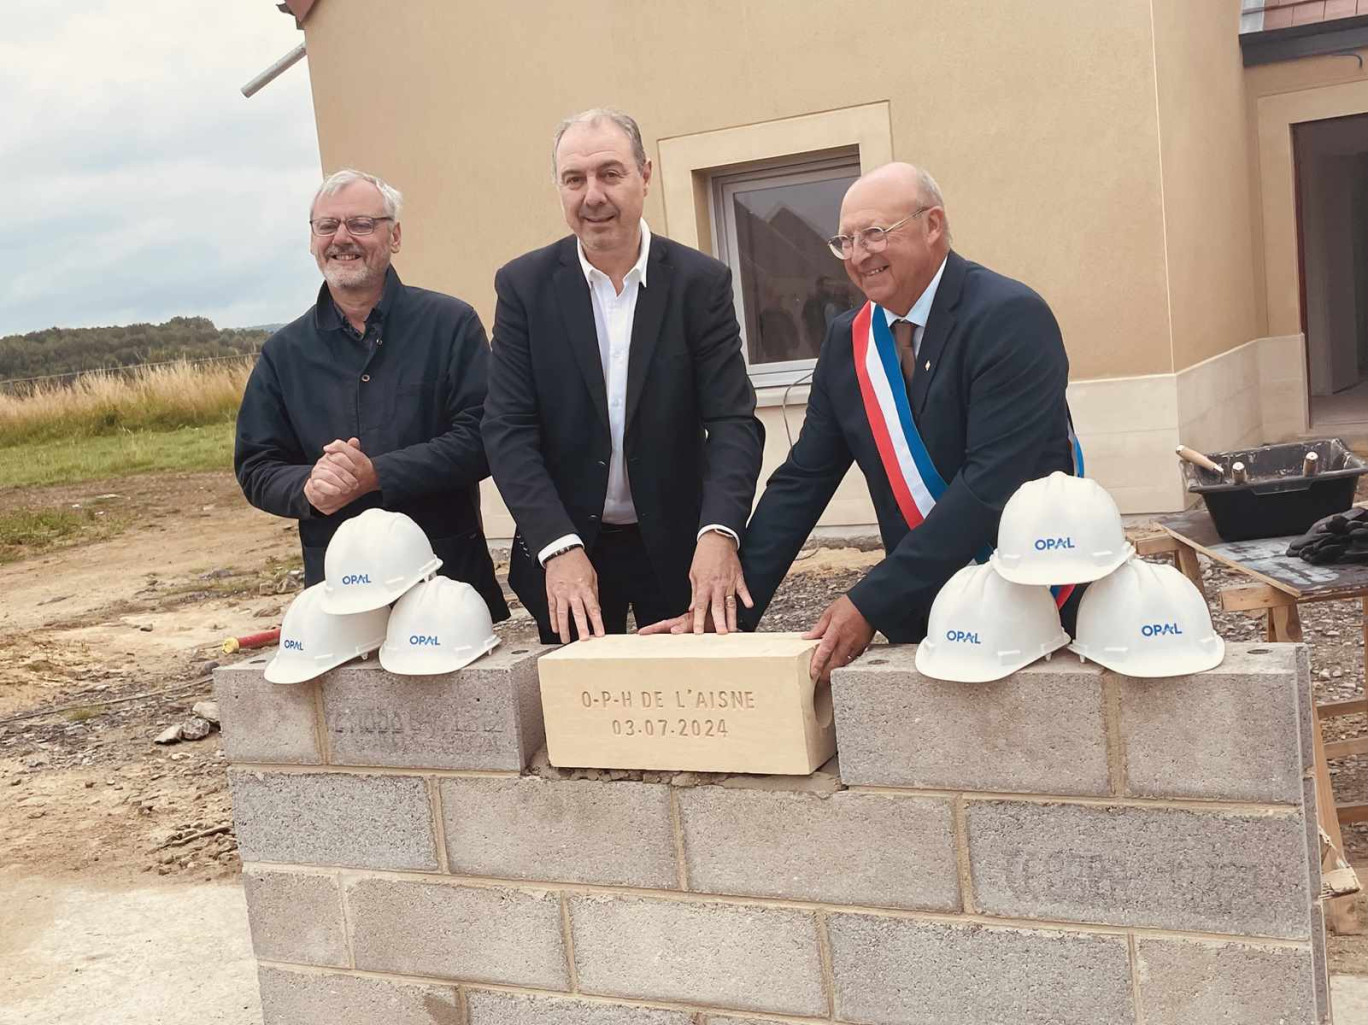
column 160, row 398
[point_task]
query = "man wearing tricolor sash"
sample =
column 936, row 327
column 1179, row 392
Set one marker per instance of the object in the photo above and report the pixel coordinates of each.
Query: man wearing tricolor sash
column 946, row 388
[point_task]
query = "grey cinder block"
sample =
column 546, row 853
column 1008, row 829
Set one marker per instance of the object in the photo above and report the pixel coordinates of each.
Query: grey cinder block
column 1041, row 730
column 891, row 971
column 476, row 934
column 297, row 998
column 1211, row 871
column 295, row 917
column 333, row 818
column 1183, row 982
column 266, row 722
column 843, row 849
column 730, row 956
column 1231, row 733
column 567, row 830
column 486, row 716
column 486, row 1007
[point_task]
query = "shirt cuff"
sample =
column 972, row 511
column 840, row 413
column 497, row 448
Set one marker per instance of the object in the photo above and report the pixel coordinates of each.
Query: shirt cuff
column 556, row 545
column 721, row 530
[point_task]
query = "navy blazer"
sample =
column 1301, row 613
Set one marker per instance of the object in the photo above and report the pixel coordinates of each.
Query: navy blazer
column 692, row 442
column 992, row 412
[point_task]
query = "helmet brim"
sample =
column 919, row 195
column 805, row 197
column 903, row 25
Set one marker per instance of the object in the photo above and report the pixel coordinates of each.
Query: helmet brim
column 1049, row 576
column 927, row 664
column 1152, row 668
column 402, row 663
column 335, row 603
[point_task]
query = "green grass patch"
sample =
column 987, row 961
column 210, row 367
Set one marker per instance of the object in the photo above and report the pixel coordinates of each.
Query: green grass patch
column 70, row 460
column 24, row 532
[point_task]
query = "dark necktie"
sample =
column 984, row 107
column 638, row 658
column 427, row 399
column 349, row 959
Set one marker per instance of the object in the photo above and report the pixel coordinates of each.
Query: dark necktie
column 907, row 356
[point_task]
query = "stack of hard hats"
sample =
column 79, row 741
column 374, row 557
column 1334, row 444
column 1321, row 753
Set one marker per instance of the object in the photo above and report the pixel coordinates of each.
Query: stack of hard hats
column 375, row 559
column 1136, row 618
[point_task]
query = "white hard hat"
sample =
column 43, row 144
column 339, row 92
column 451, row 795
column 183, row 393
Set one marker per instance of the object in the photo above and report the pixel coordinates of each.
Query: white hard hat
column 983, row 628
column 438, row 627
column 373, row 559
column 1060, row 530
column 312, row 641
column 1147, row 619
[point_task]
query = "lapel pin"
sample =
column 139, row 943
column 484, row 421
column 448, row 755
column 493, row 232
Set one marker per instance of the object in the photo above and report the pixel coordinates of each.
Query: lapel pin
column 928, row 365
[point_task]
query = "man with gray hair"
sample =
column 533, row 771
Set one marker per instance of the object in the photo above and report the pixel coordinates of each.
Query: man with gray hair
column 373, row 398
column 620, row 424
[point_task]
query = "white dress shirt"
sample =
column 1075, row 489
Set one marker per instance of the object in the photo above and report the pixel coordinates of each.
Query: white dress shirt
column 614, row 315
column 920, row 311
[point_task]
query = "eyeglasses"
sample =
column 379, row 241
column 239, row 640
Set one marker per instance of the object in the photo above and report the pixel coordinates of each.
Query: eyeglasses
column 325, row 226
column 874, row 239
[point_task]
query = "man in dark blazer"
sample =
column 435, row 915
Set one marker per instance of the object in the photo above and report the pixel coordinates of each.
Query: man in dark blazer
column 986, row 372
column 620, row 421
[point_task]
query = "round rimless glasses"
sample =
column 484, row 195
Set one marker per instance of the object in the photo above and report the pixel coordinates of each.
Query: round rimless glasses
column 355, row 225
column 874, row 238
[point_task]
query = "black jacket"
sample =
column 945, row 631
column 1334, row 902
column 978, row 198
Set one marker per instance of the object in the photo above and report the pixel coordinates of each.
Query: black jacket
column 991, row 411
column 691, row 441
column 412, row 391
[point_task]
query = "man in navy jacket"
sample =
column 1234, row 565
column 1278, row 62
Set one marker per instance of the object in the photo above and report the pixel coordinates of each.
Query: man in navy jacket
column 985, row 373
column 373, row 398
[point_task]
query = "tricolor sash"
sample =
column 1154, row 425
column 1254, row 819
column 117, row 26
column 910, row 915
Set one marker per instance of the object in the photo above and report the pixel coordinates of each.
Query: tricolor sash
column 916, row 483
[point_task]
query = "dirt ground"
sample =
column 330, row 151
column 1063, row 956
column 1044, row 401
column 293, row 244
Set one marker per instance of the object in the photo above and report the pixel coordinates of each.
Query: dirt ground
column 113, row 641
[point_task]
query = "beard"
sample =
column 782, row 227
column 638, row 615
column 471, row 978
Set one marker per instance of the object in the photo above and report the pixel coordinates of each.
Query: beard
column 360, row 274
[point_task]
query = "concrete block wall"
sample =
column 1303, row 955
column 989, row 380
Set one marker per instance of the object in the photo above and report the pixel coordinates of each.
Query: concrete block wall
column 1067, row 847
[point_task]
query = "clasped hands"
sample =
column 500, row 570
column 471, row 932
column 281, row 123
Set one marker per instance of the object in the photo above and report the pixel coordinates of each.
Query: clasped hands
column 340, row 477
column 715, row 576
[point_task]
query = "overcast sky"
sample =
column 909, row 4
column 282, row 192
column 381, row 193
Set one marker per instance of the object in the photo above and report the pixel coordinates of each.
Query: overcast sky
column 139, row 183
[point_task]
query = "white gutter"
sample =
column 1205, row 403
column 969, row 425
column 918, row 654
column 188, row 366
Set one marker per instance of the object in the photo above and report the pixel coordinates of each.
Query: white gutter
column 274, row 71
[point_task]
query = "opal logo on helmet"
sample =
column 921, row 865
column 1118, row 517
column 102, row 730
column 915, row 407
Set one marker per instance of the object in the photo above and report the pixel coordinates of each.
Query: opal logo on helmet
column 1049, row 544
column 356, row 578
column 313, row 641
column 439, row 626
column 1161, row 630
column 962, row 636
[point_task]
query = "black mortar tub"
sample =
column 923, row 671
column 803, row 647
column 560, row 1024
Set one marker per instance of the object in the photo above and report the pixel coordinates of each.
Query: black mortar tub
column 1277, row 499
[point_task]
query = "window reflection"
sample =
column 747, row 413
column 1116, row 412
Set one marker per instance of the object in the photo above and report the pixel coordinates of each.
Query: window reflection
column 791, row 286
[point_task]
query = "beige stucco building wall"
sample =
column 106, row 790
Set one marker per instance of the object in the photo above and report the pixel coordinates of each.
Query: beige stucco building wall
column 1098, row 151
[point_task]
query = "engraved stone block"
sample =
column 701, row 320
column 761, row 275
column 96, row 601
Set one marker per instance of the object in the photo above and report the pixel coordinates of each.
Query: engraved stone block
column 486, row 716
column 1210, row 871
column 734, row 703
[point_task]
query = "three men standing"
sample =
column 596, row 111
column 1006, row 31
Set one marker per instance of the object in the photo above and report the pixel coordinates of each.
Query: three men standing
column 372, row 398
column 620, row 422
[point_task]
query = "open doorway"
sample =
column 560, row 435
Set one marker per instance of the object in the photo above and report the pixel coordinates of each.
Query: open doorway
column 1332, row 204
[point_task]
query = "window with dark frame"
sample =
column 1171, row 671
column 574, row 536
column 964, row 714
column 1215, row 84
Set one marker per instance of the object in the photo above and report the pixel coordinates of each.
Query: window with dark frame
column 770, row 225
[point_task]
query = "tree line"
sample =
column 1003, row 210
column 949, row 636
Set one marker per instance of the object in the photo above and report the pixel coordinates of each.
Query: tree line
column 58, row 350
